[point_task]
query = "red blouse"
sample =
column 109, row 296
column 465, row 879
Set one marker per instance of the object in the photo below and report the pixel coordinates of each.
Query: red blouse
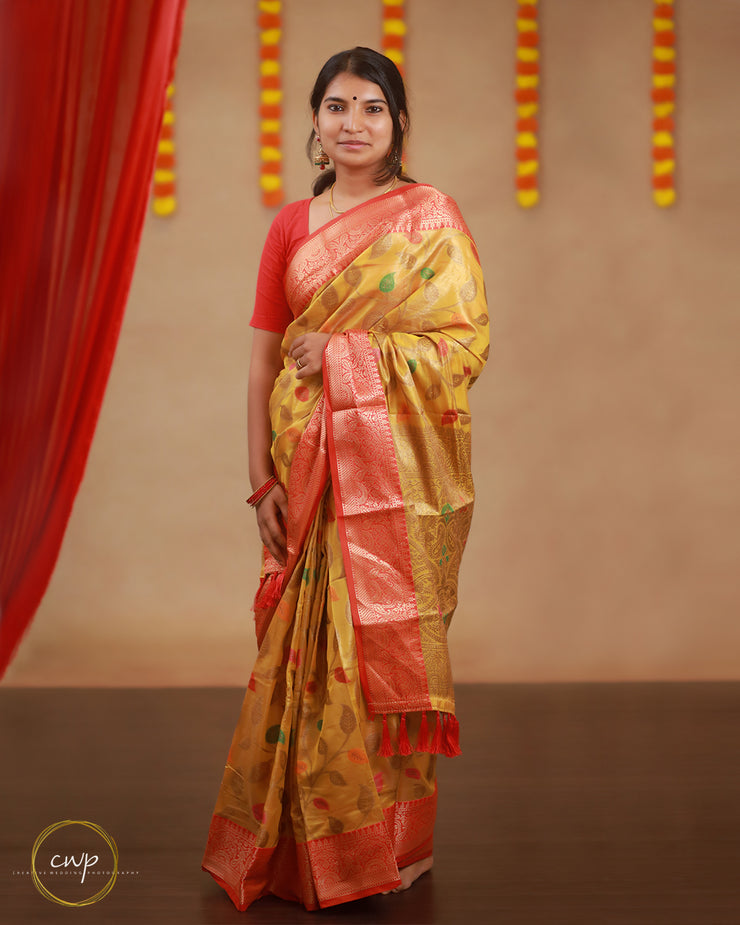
column 288, row 231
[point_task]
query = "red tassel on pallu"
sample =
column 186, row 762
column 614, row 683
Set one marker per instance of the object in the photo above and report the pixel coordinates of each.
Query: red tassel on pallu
column 404, row 746
column 452, row 736
column 269, row 591
column 422, row 743
column 436, row 748
column 385, row 743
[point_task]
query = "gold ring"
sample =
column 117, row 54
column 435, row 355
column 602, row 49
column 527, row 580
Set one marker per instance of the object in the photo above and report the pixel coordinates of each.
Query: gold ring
column 299, row 363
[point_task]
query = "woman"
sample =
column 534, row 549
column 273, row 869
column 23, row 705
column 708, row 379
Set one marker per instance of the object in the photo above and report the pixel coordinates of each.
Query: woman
column 370, row 327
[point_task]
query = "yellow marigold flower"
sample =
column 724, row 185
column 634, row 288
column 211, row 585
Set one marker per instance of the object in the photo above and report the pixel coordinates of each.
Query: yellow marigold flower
column 395, row 54
column 165, row 146
column 164, row 176
column 271, row 97
column 394, row 27
column 664, row 80
column 527, row 80
column 526, row 168
column 527, row 110
column 664, row 197
column 269, row 68
column 270, row 154
column 271, row 36
column 526, row 140
column 164, row 205
column 528, row 198
column 663, row 167
column 270, row 182
column 663, row 139
column 527, row 54
column 270, row 126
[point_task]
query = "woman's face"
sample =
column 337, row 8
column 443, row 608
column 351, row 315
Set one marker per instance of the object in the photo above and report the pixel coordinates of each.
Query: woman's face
column 354, row 123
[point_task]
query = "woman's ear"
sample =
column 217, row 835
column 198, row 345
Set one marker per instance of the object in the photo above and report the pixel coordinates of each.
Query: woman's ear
column 315, row 125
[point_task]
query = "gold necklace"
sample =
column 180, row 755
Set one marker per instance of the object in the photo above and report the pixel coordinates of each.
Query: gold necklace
column 335, row 211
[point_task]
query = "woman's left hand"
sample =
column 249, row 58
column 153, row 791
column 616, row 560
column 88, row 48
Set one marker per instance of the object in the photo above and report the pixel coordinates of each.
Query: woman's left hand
column 308, row 352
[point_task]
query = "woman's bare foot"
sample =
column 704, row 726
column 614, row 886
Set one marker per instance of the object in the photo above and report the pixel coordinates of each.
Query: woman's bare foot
column 413, row 872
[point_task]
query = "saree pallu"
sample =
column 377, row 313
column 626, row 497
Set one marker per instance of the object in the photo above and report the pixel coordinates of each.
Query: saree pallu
column 330, row 782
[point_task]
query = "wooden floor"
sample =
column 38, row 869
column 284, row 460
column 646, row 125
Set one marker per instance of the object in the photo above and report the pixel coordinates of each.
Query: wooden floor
column 572, row 803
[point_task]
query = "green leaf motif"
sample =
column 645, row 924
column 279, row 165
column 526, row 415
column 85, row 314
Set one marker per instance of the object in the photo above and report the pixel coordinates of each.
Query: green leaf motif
column 426, row 272
column 388, row 283
column 412, row 365
column 274, row 735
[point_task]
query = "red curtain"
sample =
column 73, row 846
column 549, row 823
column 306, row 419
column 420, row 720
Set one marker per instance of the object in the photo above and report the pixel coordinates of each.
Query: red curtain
column 82, row 92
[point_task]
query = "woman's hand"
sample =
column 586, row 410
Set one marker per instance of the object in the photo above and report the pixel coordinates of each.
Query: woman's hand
column 308, row 352
column 272, row 513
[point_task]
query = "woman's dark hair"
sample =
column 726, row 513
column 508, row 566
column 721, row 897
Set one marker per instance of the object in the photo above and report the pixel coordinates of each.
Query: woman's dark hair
column 378, row 69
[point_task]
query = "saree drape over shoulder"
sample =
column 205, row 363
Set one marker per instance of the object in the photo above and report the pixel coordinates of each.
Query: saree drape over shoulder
column 330, row 782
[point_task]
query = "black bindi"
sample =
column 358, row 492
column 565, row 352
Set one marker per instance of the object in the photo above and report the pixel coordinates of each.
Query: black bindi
column 354, row 97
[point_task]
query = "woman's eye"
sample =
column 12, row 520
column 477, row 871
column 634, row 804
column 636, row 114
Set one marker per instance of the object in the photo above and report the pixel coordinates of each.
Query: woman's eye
column 334, row 107
column 374, row 109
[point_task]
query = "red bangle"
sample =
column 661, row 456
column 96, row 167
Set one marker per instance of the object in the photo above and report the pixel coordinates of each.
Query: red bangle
column 254, row 499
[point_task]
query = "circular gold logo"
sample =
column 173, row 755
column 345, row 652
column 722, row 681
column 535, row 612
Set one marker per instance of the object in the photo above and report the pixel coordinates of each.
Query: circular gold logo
column 83, row 859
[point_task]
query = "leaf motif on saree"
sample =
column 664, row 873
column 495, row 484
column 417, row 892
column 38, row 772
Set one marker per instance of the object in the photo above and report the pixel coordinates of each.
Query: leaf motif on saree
column 330, row 299
column 336, row 825
column 258, row 711
column 382, row 246
column 366, row 799
column 348, row 721
column 469, row 291
column 388, row 282
column 260, row 771
column 352, row 276
column 337, row 779
column 431, row 292
column 454, row 253
column 322, row 746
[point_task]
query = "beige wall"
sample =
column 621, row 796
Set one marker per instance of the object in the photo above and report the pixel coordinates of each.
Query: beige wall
column 604, row 544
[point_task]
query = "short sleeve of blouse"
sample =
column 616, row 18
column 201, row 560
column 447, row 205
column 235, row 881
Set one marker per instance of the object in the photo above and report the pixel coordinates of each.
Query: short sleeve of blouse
column 287, row 232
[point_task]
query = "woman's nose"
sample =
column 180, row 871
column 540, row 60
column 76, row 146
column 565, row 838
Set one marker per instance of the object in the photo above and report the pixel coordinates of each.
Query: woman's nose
column 353, row 119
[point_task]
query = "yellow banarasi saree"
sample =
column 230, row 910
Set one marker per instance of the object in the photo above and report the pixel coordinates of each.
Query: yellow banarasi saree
column 330, row 782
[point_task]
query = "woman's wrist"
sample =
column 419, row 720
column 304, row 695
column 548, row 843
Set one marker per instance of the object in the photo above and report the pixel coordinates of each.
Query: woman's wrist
column 254, row 499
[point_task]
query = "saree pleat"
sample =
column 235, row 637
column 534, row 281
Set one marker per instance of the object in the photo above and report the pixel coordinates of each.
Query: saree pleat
column 330, row 781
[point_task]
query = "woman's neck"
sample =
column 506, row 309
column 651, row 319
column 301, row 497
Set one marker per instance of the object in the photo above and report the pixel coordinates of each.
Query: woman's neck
column 350, row 188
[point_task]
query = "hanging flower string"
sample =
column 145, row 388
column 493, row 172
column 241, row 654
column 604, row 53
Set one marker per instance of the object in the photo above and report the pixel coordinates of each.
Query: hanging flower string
column 271, row 99
column 527, row 99
column 394, row 33
column 664, row 102
column 163, row 191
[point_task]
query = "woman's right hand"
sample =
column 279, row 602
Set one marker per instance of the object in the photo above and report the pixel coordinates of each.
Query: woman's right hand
column 272, row 515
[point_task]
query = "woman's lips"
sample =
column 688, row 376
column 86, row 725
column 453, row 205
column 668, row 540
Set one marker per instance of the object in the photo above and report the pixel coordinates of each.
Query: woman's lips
column 353, row 144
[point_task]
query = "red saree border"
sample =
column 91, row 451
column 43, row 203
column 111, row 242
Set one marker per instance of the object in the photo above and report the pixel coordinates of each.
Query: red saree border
column 333, row 247
column 372, row 528
column 322, row 872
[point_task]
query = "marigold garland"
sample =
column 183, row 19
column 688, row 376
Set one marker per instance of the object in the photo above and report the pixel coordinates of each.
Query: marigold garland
column 164, row 201
column 527, row 99
column 664, row 101
column 271, row 98
column 393, row 42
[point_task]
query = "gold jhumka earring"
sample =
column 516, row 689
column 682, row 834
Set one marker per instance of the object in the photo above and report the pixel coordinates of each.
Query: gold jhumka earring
column 322, row 158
